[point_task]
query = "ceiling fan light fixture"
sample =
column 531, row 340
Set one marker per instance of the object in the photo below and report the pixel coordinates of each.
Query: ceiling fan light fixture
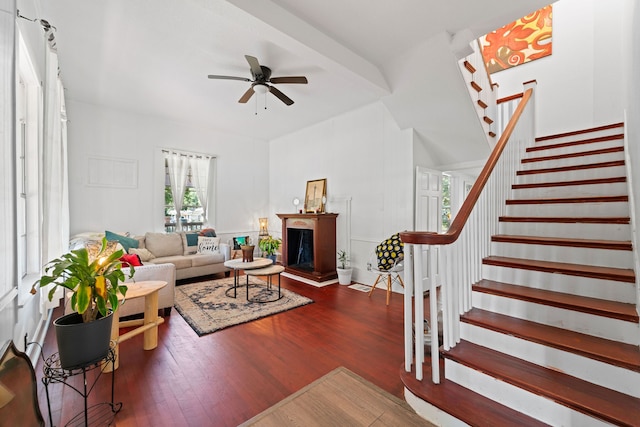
column 260, row 88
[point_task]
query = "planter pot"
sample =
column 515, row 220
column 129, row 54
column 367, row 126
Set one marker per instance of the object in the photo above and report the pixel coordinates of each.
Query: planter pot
column 344, row 275
column 272, row 257
column 247, row 252
column 82, row 344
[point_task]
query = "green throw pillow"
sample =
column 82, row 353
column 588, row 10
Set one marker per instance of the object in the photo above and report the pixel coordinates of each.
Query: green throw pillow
column 126, row 242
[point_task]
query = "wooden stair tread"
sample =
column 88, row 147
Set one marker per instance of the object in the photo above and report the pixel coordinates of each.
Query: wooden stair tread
column 600, row 402
column 571, row 155
column 476, row 86
column 567, row 220
column 573, row 143
column 482, row 104
column 492, row 134
column 469, row 67
column 597, row 272
column 600, row 307
column 462, row 403
column 487, row 120
column 580, row 132
column 570, row 183
column 587, row 199
column 572, row 168
column 621, row 245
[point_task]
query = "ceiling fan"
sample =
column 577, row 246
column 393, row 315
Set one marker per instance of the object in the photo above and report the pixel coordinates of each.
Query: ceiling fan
column 261, row 77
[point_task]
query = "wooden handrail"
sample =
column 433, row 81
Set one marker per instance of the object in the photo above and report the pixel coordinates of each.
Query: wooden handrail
column 431, row 238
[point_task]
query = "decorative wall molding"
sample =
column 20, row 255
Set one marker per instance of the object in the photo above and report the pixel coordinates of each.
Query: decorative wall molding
column 111, row 172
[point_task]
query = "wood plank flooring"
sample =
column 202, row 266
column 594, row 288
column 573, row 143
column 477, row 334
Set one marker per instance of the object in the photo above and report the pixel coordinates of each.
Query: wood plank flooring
column 227, row 377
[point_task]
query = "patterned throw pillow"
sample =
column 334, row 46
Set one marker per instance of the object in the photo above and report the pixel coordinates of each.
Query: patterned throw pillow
column 389, row 252
column 208, row 245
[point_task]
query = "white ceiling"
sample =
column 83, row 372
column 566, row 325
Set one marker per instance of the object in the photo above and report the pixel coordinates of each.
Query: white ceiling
column 153, row 56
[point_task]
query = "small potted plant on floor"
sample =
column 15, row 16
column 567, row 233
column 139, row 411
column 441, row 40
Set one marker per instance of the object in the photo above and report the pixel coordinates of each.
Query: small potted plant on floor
column 93, row 276
column 269, row 246
column 344, row 271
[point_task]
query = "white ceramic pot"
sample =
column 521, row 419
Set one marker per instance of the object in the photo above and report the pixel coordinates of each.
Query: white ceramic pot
column 344, row 275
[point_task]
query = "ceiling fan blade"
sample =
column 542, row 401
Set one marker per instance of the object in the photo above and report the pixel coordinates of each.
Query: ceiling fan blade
column 256, row 70
column 244, row 79
column 247, row 95
column 290, row 79
column 281, row 96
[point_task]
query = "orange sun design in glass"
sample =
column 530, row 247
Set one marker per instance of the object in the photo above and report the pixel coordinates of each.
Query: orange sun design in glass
column 524, row 40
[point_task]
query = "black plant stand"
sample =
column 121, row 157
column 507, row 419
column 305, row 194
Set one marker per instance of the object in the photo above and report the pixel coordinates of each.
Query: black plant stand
column 102, row 413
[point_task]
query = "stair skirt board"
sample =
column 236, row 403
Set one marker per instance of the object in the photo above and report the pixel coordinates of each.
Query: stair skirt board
column 431, row 412
column 530, row 404
column 568, row 254
column 593, row 231
column 568, row 209
column 594, row 173
column 600, row 373
column 571, row 161
column 585, row 286
column 584, row 323
column 562, row 191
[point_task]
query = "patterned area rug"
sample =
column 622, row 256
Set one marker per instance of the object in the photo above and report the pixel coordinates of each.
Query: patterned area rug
column 207, row 308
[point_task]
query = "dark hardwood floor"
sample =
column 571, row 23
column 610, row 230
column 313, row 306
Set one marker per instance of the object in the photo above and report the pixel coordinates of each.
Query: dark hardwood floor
column 227, row 377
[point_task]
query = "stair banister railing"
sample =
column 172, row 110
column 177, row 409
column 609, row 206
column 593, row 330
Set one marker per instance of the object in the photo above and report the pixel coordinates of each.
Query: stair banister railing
column 454, row 259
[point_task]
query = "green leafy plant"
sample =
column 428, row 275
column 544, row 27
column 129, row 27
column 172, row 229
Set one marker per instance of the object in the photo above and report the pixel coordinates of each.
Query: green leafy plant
column 343, row 258
column 269, row 245
column 94, row 280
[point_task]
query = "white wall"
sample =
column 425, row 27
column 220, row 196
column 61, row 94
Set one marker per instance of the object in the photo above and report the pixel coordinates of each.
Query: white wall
column 365, row 158
column 581, row 84
column 94, row 131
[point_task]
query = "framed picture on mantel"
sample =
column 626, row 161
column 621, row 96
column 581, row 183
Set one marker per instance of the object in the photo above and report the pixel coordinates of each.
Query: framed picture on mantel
column 315, row 195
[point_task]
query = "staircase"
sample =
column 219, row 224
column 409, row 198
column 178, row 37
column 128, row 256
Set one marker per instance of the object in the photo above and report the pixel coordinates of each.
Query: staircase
column 553, row 336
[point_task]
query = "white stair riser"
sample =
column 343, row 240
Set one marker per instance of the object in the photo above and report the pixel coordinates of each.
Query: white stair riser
column 584, row 286
column 430, row 412
column 572, row 255
column 594, row 371
column 585, row 323
column 572, row 175
column 569, row 230
column 607, row 189
column 516, row 398
column 575, row 148
column 572, row 161
column 584, row 136
column 602, row 209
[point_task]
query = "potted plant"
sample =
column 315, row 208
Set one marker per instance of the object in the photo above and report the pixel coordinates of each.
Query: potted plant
column 269, row 246
column 344, row 271
column 93, row 277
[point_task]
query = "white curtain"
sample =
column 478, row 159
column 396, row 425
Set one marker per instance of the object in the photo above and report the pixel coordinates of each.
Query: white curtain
column 55, row 206
column 178, row 167
column 200, row 167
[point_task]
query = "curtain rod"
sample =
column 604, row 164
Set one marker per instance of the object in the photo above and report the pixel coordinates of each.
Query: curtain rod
column 185, row 154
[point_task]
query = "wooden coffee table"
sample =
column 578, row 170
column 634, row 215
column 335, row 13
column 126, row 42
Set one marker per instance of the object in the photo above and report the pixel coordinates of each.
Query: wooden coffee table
column 269, row 271
column 237, row 264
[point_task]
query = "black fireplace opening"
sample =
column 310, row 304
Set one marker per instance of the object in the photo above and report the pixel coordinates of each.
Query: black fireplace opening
column 300, row 248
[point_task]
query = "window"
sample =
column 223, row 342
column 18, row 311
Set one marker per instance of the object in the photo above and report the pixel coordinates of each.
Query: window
column 446, row 202
column 191, row 214
column 28, row 100
column 194, row 182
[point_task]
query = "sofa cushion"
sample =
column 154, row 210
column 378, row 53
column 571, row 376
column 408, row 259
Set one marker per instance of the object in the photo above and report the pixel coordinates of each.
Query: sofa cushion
column 126, row 242
column 144, row 254
column 164, row 244
column 208, row 232
column 208, row 245
column 180, row 261
column 130, row 259
column 189, row 242
column 206, row 259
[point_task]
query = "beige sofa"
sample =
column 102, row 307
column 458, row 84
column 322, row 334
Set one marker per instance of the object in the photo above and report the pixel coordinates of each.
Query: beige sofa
column 174, row 248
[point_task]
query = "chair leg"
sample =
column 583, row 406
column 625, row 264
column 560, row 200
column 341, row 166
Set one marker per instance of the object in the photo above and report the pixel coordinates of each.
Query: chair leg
column 374, row 284
column 388, row 288
column 400, row 279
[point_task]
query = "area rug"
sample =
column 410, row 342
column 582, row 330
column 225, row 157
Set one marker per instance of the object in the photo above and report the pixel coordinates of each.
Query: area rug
column 207, row 307
column 340, row 398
